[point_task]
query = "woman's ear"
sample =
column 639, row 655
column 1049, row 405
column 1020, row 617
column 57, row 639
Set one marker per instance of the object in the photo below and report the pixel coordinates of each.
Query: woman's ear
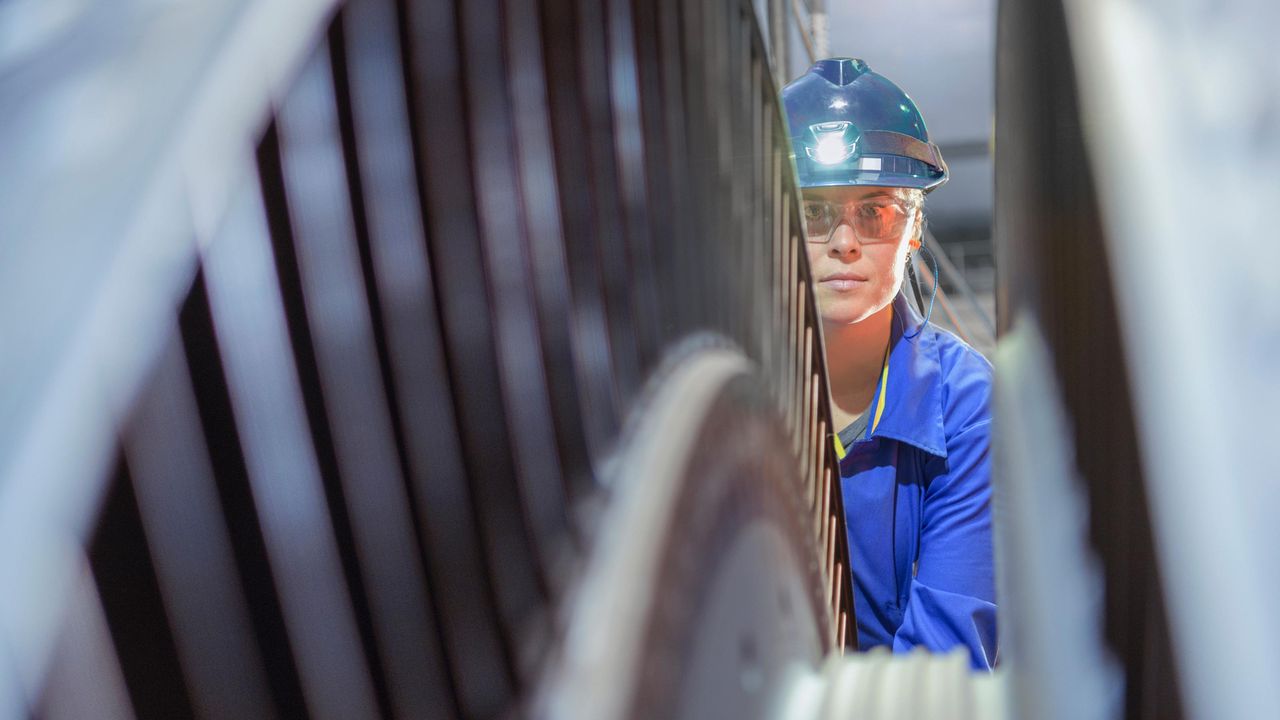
column 918, row 233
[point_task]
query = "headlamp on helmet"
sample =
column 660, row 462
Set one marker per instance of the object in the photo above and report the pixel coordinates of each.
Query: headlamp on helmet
column 832, row 144
column 852, row 126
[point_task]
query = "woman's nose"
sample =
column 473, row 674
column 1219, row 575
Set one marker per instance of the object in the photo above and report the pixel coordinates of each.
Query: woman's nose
column 843, row 241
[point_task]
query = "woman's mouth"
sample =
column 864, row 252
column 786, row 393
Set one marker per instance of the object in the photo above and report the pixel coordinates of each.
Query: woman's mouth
column 841, row 281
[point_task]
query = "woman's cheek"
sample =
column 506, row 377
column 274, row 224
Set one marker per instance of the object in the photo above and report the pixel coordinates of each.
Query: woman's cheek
column 887, row 286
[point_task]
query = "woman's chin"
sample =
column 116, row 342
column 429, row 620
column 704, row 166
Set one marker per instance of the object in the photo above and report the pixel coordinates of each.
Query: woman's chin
column 850, row 310
column 845, row 316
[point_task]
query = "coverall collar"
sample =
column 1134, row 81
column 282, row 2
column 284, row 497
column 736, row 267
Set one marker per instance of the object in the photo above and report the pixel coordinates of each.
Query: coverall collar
column 913, row 403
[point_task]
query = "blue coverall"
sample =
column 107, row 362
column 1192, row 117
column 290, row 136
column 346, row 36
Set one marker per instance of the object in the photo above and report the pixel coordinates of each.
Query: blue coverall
column 917, row 498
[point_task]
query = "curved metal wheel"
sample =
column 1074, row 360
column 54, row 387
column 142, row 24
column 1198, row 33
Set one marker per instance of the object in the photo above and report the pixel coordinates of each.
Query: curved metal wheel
column 721, row 528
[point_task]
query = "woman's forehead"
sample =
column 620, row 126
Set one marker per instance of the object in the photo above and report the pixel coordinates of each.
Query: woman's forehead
column 847, row 193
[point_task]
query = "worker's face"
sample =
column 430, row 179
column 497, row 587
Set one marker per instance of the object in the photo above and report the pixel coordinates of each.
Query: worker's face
column 858, row 240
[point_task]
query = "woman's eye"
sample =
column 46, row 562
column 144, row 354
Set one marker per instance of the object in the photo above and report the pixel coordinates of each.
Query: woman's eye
column 884, row 209
column 874, row 215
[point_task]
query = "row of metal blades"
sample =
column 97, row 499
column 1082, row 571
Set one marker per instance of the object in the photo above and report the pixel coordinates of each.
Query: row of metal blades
column 363, row 475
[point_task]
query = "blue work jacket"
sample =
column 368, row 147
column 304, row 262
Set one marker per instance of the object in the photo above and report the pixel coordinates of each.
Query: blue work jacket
column 917, row 498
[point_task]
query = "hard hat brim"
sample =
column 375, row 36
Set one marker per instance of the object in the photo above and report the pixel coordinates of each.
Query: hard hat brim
column 877, row 179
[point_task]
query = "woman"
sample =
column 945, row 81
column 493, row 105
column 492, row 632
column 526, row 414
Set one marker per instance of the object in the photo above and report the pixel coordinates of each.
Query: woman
column 911, row 399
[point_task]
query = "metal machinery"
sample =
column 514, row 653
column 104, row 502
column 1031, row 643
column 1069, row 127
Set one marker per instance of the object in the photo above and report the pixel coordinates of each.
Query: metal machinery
column 418, row 358
column 1137, row 358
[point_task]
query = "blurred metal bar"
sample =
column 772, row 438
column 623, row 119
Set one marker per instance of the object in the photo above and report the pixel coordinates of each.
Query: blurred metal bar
column 444, row 150
column 283, row 473
column 803, row 29
column 117, row 127
column 316, row 188
column 141, row 630
column 84, row 678
column 403, row 274
column 1059, row 665
column 235, row 493
column 798, row 373
column 526, row 409
column 13, row 701
column 778, row 39
column 775, row 349
column 720, row 87
column 653, row 113
column 593, row 350
column 755, row 170
column 181, row 514
column 759, row 220
column 809, row 412
column 1051, row 231
column 818, row 24
column 562, row 342
column 743, row 178
column 610, row 243
column 1189, row 310
column 681, row 195
column 625, row 97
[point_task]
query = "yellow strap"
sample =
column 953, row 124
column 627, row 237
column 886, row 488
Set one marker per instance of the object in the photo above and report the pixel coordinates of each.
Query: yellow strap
column 884, row 388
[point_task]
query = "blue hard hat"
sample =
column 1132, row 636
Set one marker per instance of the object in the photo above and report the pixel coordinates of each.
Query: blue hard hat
column 852, row 126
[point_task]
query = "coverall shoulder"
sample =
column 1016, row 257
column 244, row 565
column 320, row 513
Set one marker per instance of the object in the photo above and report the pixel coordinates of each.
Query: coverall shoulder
column 917, row 498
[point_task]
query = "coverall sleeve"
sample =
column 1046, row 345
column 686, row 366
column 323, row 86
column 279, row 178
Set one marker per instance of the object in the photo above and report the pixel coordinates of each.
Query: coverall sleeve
column 951, row 599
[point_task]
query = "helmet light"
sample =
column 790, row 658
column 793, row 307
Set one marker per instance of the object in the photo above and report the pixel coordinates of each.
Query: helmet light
column 832, row 144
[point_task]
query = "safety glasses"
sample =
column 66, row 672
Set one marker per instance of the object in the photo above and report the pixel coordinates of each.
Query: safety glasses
column 877, row 219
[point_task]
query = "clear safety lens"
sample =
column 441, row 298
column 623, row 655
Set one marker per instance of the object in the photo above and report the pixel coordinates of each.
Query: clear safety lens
column 874, row 219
